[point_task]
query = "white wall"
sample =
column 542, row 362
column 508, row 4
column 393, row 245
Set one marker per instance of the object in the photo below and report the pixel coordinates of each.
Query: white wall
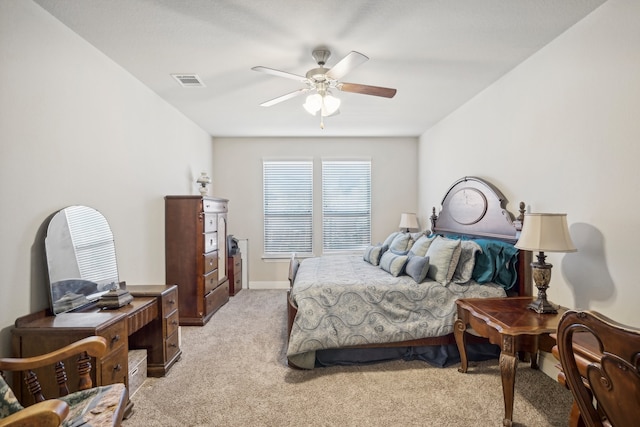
column 75, row 128
column 238, row 177
column 562, row 133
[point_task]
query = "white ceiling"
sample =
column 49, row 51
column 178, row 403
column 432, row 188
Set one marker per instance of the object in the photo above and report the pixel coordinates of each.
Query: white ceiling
column 437, row 53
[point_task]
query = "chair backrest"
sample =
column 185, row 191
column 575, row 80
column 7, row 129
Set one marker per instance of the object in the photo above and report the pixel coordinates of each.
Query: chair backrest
column 608, row 389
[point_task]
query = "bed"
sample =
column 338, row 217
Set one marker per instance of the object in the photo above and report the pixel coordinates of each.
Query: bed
column 397, row 300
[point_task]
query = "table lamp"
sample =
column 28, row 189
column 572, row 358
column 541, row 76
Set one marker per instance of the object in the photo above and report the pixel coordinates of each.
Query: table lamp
column 544, row 232
column 407, row 221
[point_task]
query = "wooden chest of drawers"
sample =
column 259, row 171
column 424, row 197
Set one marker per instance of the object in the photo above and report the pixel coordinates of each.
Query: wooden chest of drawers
column 234, row 270
column 196, row 255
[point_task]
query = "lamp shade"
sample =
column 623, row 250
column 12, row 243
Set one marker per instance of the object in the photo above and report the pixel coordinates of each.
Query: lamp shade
column 408, row 220
column 545, row 232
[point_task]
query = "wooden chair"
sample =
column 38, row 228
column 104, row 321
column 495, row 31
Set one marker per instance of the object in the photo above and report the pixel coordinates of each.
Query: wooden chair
column 88, row 406
column 606, row 388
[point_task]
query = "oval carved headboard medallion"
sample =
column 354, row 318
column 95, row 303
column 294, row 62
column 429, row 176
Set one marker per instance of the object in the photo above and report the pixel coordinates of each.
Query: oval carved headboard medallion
column 468, row 206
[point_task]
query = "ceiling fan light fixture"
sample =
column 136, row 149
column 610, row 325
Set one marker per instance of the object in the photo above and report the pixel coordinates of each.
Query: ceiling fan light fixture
column 313, row 103
column 330, row 105
column 327, row 104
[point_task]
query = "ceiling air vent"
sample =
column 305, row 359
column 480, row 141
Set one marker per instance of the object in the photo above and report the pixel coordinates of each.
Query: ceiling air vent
column 188, row 80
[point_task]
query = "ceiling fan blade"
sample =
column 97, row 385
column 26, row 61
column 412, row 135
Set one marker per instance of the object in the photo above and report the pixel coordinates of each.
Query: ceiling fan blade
column 367, row 90
column 280, row 74
column 285, row 97
column 346, row 64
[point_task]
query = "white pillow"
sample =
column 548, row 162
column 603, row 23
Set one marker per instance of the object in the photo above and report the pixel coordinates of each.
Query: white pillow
column 401, row 243
column 421, row 245
column 443, row 258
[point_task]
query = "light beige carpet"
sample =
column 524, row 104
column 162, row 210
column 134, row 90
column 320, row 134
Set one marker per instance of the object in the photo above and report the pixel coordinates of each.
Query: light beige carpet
column 233, row 372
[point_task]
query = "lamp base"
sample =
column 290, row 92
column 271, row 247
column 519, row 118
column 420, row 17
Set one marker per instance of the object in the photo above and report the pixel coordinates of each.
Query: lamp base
column 542, row 277
column 542, row 306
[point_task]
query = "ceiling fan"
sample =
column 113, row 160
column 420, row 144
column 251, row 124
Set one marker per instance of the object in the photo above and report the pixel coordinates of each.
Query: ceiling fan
column 321, row 80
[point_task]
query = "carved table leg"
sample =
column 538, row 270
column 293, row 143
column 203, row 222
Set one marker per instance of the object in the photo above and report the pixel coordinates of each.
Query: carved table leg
column 458, row 332
column 508, row 365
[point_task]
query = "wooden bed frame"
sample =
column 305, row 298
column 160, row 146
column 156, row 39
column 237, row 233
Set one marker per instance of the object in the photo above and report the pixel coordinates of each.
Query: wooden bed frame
column 471, row 207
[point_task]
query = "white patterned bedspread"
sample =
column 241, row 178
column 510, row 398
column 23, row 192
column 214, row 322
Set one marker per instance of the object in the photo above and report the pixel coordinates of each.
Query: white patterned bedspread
column 344, row 301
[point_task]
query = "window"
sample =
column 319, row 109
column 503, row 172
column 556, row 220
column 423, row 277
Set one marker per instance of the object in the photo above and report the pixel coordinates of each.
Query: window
column 288, row 207
column 346, row 205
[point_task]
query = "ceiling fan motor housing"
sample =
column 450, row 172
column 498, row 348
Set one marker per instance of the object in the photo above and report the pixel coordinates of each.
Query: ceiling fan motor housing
column 321, row 55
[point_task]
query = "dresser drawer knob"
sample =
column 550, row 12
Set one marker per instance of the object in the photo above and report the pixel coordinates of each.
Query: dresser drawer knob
column 172, row 301
column 172, row 345
column 175, row 322
column 117, row 367
column 115, row 338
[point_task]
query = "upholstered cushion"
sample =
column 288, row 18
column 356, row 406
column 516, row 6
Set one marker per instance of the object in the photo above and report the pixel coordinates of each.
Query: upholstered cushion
column 421, row 245
column 372, row 254
column 95, row 407
column 443, row 257
column 401, row 243
column 417, row 235
column 464, row 269
column 393, row 263
column 417, row 267
column 8, row 402
column 390, row 238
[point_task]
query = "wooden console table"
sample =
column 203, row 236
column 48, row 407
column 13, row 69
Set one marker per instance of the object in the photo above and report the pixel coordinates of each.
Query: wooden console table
column 506, row 322
column 149, row 322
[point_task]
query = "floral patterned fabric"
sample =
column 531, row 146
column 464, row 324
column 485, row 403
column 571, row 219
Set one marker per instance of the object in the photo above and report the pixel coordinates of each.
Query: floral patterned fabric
column 8, row 402
column 95, row 407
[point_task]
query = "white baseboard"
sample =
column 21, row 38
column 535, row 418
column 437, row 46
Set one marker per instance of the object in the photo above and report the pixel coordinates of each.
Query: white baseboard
column 548, row 364
column 269, row 285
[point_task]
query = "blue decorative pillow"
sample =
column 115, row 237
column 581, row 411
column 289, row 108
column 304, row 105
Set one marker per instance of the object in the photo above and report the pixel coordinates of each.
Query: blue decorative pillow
column 372, row 254
column 390, row 238
column 393, row 263
column 417, row 267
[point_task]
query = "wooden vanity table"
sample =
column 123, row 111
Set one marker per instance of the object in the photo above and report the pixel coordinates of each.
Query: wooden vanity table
column 149, row 322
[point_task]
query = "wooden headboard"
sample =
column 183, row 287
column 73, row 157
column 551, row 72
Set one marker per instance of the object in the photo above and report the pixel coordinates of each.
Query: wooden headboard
column 475, row 208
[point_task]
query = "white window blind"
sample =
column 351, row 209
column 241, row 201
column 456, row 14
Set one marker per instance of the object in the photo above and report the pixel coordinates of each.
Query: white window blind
column 288, row 207
column 346, row 205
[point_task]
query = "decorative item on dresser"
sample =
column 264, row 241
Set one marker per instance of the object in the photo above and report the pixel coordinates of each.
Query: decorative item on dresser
column 196, row 255
column 203, row 180
column 544, row 232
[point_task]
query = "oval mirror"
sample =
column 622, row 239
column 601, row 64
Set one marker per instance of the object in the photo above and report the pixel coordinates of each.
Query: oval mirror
column 81, row 258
